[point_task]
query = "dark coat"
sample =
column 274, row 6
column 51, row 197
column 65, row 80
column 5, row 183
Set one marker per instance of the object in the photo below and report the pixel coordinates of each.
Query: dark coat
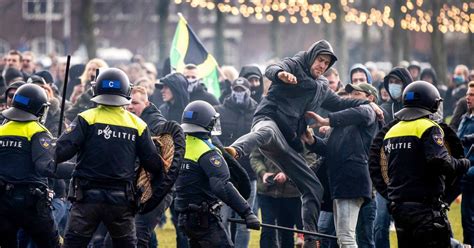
column 246, row 72
column 153, row 117
column 346, row 152
column 286, row 104
column 236, row 120
column 178, row 84
column 200, row 93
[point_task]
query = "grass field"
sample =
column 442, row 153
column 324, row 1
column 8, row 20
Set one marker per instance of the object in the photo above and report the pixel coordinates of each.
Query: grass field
column 167, row 236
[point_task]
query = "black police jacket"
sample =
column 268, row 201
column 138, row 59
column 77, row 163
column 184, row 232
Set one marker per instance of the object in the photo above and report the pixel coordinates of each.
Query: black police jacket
column 418, row 161
column 204, row 177
column 26, row 153
column 107, row 141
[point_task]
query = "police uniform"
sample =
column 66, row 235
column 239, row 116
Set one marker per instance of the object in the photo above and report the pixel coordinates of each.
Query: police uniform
column 418, row 162
column 107, row 140
column 26, row 161
column 203, row 180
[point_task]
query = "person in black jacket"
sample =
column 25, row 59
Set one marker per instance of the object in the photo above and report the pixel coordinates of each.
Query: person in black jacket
column 107, row 140
column 204, row 180
column 297, row 87
column 175, row 95
column 236, row 115
column 196, row 88
column 253, row 74
column 349, row 181
column 395, row 82
column 148, row 112
column 418, row 165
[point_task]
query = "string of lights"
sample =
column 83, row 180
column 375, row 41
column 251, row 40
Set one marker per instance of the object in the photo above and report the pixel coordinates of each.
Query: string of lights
column 451, row 18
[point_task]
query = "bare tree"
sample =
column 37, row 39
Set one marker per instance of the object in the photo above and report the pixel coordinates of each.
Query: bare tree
column 341, row 44
column 275, row 36
column 219, row 39
column 438, row 50
column 87, row 27
column 163, row 12
column 365, row 54
column 396, row 39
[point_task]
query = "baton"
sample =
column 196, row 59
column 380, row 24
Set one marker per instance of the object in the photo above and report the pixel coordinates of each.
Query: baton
column 63, row 100
column 471, row 150
column 285, row 229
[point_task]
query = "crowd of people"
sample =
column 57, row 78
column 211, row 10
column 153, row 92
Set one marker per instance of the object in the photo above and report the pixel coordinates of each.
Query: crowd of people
column 320, row 154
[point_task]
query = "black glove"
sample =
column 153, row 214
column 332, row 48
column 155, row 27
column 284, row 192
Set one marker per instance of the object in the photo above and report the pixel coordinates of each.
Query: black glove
column 252, row 221
column 467, row 140
column 465, row 162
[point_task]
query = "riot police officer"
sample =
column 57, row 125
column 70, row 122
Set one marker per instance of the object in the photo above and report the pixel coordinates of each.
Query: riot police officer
column 204, row 180
column 106, row 139
column 418, row 162
column 26, row 155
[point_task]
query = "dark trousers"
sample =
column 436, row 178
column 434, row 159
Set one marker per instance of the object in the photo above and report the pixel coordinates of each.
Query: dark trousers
column 266, row 136
column 420, row 225
column 282, row 212
column 204, row 230
column 467, row 215
column 85, row 218
column 20, row 209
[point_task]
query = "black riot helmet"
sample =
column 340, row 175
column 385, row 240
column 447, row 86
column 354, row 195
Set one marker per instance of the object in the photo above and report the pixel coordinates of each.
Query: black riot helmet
column 30, row 103
column 112, row 87
column 420, row 98
column 200, row 117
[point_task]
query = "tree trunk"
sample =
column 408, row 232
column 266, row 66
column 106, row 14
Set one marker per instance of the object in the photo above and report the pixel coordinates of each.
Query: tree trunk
column 438, row 50
column 275, row 37
column 406, row 45
column 471, row 48
column 341, row 44
column 396, row 39
column 365, row 53
column 162, row 10
column 88, row 26
column 219, row 39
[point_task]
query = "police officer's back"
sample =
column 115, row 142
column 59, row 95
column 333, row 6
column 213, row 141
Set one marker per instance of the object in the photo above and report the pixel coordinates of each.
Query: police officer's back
column 204, row 180
column 417, row 164
column 26, row 155
column 107, row 140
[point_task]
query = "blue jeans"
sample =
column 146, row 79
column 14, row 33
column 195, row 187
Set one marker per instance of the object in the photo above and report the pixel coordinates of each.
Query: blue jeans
column 280, row 211
column 242, row 234
column 326, row 226
column 382, row 223
column 365, row 224
column 467, row 215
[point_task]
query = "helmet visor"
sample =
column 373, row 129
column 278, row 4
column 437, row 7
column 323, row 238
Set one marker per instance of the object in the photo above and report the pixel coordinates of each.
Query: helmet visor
column 216, row 129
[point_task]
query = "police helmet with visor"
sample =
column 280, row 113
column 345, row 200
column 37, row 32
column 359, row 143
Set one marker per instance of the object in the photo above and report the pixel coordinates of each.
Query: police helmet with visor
column 200, row 117
column 30, row 103
column 419, row 99
column 112, row 87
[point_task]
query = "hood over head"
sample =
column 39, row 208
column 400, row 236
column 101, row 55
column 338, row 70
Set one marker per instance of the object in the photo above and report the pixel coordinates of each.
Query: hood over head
column 399, row 72
column 247, row 72
column 432, row 73
column 319, row 47
column 178, row 86
column 362, row 68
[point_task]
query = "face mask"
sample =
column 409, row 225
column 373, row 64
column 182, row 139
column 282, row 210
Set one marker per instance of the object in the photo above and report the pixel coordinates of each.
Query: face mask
column 395, row 90
column 239, row 97
column 458, row 79
column 192, row 86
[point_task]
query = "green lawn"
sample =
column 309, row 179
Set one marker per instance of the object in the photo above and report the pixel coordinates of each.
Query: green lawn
column 167, row 236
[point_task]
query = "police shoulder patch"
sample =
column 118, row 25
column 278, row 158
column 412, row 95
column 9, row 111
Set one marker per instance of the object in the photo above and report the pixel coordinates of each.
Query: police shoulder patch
column 46, row 142
column 216, row 160
column 438, row 138
column 70, row 127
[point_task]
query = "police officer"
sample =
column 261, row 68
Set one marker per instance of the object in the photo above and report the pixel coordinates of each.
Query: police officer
column 204, row 180
column 418, row 162
column 106, row 139
column 26, row 155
